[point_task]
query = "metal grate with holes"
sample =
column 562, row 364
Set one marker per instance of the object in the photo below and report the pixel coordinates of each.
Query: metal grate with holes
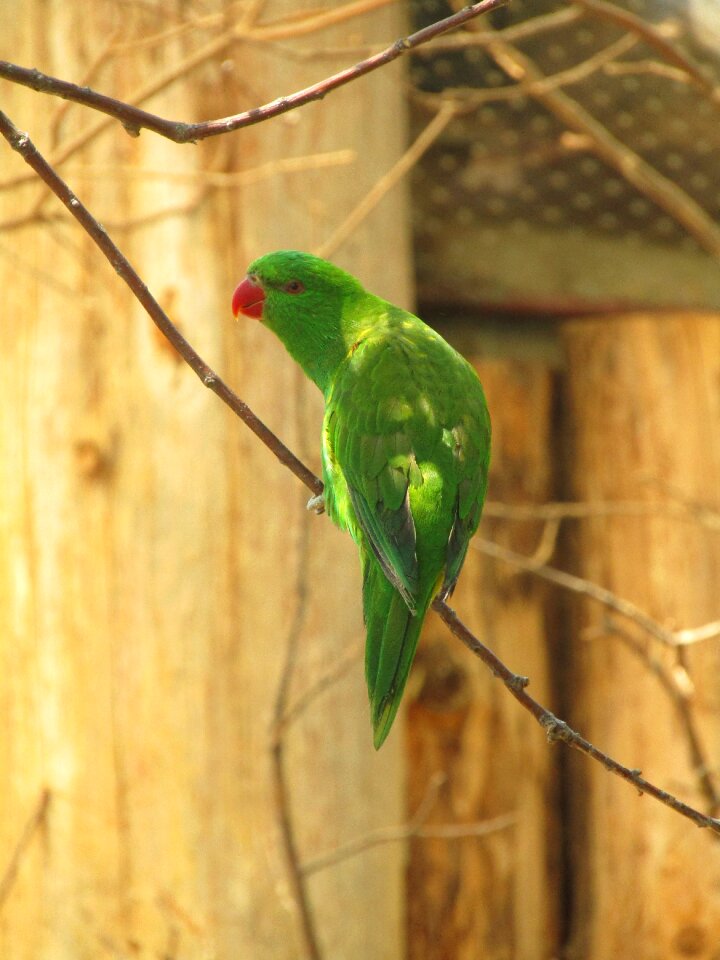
column 582, row 170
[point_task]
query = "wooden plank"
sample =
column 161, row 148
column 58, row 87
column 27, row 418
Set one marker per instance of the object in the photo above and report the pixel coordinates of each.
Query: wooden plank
column 155, row 561
column 644, row 407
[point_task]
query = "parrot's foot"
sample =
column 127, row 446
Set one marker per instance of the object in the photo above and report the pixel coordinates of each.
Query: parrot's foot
column 317, row 504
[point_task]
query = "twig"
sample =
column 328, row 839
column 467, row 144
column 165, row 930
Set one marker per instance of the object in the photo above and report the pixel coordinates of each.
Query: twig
column 218, row 178
column 99, row 61
column 548, row 541
column 303, row 700
column 302, row 22
column 31, row 218
column 441, row 831
column 413, row 828
column 212, row 178
column 705, row 514
column 645, row 178
column 645, row 68
column 459, row 831
column 569, row 581
column 134, row 119
column 277, row 748
column 563, row 78
column 682, row 703
column 531, row 27
column 253, row 9
column 709, row 631
column 557, row 729
column 160, row 81
column 184, row 208
column 599, row 508
column 209, row 21
column 33, row 824
column 462, row 41
column 578, row 585
column 382, row 834
column 24, row 146
column 411, row 156
column 653, row 37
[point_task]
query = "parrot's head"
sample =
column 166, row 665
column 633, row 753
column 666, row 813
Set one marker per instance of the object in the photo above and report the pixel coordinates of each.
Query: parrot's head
column 307, row 302
column 292, row 283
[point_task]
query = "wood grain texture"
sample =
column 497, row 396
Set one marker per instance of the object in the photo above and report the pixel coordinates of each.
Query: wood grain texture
column 494, row 896
column 155, row 561
column 644, row 406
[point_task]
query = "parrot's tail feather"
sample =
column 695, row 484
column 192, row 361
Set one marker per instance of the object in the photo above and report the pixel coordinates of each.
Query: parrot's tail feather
column 392, row 637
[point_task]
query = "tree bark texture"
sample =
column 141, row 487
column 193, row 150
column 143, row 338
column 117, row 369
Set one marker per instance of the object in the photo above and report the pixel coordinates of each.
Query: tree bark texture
column 643, row 398
column 156, row 562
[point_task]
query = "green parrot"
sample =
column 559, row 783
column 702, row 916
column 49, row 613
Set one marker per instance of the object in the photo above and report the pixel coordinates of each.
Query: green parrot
column 405, row 446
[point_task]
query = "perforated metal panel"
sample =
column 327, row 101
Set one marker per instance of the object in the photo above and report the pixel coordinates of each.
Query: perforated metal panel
column 528, row 201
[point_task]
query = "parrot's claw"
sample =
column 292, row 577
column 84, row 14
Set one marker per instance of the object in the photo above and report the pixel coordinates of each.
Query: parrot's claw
column 317, row 504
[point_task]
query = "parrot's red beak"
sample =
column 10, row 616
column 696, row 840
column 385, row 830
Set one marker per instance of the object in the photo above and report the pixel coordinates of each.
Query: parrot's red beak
column 248, row 299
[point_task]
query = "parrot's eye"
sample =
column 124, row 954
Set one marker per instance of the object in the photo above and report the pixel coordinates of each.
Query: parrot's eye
column 293, row 286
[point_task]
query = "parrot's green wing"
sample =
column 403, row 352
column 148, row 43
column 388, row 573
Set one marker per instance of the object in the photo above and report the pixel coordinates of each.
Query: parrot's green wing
column 471, row 449
column 373, row 431
column 392, row 539
column 408, row 434
column 405, row 455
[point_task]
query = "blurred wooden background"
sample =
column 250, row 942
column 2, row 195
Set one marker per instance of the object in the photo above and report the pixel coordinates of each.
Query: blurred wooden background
column 165, row 597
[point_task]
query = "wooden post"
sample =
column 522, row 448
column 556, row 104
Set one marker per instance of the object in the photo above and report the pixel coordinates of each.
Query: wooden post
column 156, row 563
column 644, row 406
column 493, row 896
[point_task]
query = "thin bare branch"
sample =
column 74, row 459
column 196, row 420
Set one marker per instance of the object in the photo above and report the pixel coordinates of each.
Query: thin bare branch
column 534, row 87
column 23, row 145
column 406, row 162
column 29, row 219
column 382, row 834
column 160, row 82
column 194, row 24
column 252, row 12
column 602, row 508
column 415, row 827
column 34, row 823
column 548, row 541
column 100, row 60
column 217, row 178
column 682, row 701
column 585, row 588
column 709, row 631
column 654, row 37
column 653, row 68
column 134, row 119
column 324, row 682
column 303, row 22
column 442, row 831
column 461, row 41
column 220, row 179
column 708, row 515
column 645, row 178
column 532, row 27
column 277, row 749
column 557, row 729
